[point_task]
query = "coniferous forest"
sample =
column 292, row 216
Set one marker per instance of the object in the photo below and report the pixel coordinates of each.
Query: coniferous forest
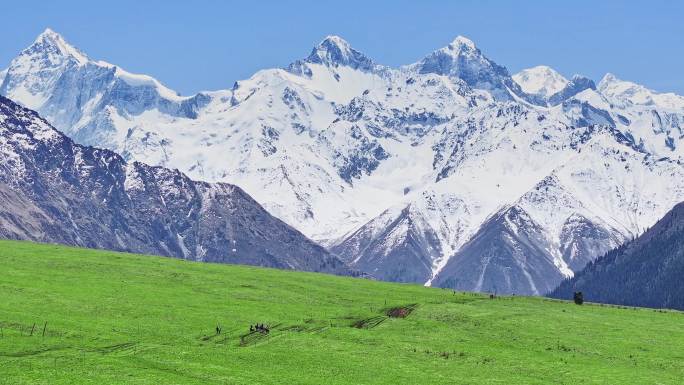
column 644, row 272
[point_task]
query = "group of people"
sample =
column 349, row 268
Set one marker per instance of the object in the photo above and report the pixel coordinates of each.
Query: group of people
column 258, row 328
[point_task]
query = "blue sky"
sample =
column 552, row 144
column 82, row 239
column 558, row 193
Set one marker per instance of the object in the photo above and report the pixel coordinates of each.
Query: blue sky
column 209, row 44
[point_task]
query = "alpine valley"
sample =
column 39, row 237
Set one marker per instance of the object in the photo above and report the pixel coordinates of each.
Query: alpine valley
column 447, row 172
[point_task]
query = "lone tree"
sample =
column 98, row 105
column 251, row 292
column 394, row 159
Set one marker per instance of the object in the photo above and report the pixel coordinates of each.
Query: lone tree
column 578, row 297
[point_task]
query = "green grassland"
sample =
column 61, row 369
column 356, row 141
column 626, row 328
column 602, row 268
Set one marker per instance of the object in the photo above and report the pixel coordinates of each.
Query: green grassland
column 115, row 318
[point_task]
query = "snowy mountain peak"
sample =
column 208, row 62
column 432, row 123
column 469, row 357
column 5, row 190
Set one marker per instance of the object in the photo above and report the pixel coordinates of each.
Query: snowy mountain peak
column 623, row 93
column 463, row 60
column 335, row 41
column 462, row 42
column 452, row 59
column 83, row 97
column 461, row 48
column 52, row 42
column 607, row 79
column 334, row 51
column 49, row 34
column 32, row 75
column 540, row 80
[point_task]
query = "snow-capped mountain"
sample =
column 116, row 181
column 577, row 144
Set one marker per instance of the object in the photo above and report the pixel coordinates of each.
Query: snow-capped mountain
column 549, row 86
column 540, row 80
column 448, row 171
column 83, row 97
column 464, row 61
column 654, row 120
column 53, row 190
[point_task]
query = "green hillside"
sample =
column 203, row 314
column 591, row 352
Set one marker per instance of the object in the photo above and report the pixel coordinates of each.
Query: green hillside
column 116, row 318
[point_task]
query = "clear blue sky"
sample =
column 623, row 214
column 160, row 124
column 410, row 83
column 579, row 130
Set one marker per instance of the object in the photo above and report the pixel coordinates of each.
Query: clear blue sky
column 205, row 45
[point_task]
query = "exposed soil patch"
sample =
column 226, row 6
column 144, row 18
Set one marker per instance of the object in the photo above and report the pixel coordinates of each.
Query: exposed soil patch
column 252, row 338
column 401, row 311
column 369, row 323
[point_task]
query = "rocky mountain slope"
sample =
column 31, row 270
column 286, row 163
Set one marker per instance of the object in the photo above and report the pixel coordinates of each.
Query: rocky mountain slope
column 53, row 190
column 412, row 174
column 644, row 272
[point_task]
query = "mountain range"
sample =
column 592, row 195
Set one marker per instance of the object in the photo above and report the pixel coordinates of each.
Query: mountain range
column 53, row 190
column 448, row 172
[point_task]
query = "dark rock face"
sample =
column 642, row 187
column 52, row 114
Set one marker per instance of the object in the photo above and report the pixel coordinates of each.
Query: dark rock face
column 508, row 255
column 645, row 272
column 587, row 115
column 581, row 241
column 401, row 250
column 333, row 52
column 576, row 85
column 53, row 190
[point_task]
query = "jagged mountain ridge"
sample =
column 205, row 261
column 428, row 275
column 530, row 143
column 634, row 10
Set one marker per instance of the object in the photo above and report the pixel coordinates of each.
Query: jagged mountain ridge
column 54, row 190
column 398, row 168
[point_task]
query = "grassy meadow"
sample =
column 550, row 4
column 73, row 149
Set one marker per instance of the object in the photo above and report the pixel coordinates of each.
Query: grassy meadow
column 81, row 316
